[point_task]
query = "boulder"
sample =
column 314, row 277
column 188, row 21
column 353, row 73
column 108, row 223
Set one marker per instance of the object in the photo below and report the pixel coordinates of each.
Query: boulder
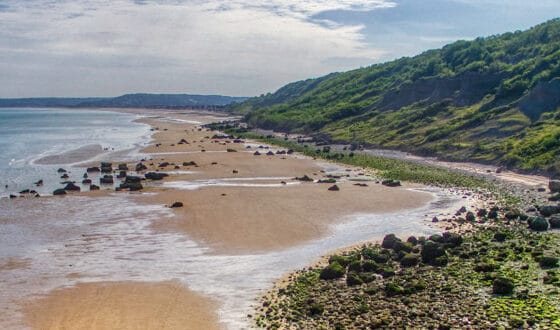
column 164, row 164
column 502, row 285
column 12, row 196
column 334, row 188
column 410, row 260
column 231, row 150
column 25, row 191
column 155, row 175
column 304, row 178
column 176, row 204
column 93, row 169
column 121, row 175
column 61, row 170
column 538, row 224
column 554, row 186
column 549, row 210
column 72, row 187
column 135, row 186
column 391, row 183
column 257, row 153
column 554, row 221
column 93, row 187
column 106, row 179
column 431, row 251
column 140, row 167
column 59, row 192
column 389, row 241
column 86, row 181
column 270, row 153
column 64, row 176
column 106, row 169
column 123, row 167
column 133, row 179
column 191, row 163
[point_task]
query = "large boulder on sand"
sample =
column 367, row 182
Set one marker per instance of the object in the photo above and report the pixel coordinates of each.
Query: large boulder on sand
column 554, row 186
column 72, row 187
column 155, row 175
column 59, row 192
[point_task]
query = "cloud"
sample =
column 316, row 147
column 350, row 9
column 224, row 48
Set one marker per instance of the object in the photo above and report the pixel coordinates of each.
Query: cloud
column 237, row 47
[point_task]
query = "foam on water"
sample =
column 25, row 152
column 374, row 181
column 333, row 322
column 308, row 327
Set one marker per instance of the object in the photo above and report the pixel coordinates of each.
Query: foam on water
column 111, row 239
column 228, row 182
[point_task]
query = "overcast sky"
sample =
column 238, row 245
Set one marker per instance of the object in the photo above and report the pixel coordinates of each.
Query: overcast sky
column 234, row 47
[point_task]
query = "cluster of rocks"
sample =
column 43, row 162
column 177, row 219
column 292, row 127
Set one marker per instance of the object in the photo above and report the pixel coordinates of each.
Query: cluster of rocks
column 441, row 281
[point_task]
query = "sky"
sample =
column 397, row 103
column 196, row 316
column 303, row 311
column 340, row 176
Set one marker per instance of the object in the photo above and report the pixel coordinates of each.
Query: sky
column 84, row 48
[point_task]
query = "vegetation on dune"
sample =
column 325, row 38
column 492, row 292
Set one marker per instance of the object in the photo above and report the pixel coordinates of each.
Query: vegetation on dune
column 494, row 99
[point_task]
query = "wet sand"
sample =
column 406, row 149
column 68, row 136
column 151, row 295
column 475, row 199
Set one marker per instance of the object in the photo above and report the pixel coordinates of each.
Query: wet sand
column 235, row 216
column 125, row 305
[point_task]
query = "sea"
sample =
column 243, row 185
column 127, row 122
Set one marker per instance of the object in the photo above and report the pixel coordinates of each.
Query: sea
column 35, row 143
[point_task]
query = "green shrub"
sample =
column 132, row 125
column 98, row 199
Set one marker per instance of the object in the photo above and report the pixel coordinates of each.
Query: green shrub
column 333, row 271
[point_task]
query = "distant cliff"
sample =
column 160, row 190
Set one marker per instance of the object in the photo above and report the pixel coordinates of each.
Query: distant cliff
column 128, row 101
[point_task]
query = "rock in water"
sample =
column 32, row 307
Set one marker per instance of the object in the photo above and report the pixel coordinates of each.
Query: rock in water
column 72, row 187
column 59, row 192
column 133, row 179
column 176, row 204
column 140, row 167
column 106, row 179
column 135, row 186
column 155, row 175
column 93, row 187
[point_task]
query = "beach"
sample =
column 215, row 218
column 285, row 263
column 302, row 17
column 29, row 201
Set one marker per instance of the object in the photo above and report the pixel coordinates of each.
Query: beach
column 127, row 259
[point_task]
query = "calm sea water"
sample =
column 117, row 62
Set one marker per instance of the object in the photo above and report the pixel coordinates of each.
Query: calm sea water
column 29, row 135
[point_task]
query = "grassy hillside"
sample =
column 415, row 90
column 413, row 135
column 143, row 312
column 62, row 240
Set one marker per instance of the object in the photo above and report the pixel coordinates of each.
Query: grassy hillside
column 493, row 100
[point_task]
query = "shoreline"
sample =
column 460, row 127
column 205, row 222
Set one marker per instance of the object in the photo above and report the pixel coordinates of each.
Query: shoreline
column 209, row 199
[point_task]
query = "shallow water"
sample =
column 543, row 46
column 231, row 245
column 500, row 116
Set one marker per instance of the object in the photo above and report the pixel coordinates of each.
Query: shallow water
column 34, row 143
column 83, row 239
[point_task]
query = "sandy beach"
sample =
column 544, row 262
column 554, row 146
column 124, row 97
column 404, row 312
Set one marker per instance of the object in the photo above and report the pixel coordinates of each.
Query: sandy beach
column 235, row 204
